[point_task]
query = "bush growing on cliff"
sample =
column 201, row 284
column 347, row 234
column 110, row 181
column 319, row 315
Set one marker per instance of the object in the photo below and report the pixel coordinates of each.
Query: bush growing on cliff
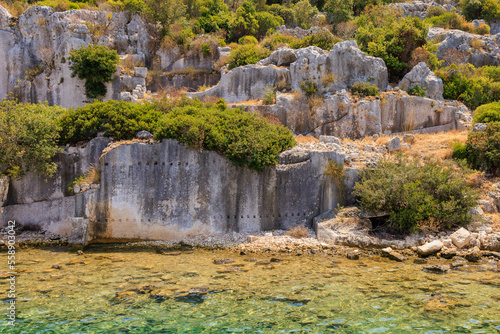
column 487, row 113
column 482, row 149
column 364, row 88
column 95, row 64
column 383, row 33
column 242, row 137
column 246, row 54
column 470, row 85
column 413, row 194
column 28, row 138
column 117, row 119
column 480, row 9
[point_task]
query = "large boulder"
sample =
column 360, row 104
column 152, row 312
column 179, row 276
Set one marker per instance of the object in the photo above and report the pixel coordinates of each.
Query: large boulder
column 245, row 83
column 422, row 76
column 478, row 50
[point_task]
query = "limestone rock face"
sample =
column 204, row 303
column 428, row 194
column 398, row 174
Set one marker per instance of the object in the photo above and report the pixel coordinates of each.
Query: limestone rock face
column 421, row 75
column 459, row 43
column 342, row 116
column 35, row 49
column 245, row 83
column 430, row 248
column 461, row 238
column 419, row 8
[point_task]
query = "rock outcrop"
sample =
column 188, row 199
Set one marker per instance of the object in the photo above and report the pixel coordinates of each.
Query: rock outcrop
column 344, row 65
column 462, row 46
column 419, row 8
column 34, row 51
column 422, row 76
column 343, row 115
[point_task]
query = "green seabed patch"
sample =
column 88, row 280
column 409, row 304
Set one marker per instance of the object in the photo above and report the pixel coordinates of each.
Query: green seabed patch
column 105, row 291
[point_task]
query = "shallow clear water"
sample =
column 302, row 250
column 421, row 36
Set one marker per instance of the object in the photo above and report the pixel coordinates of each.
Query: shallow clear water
column 188, row 293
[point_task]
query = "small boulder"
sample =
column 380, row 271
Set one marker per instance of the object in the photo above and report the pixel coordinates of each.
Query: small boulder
column 393, row 255
column 422, row 76
column 329, row 140
column 144, row 135
column 408, row 138
column 473, row 255
column 461, row 238
column 448, row 253
column 479, row 127
column 436, row 268
column 488, row 206
column 141, row 72
column 430, row 248
column 394, row 144
column 352, row 256
column 419, row 260
column 476, row 211
column 224, row 261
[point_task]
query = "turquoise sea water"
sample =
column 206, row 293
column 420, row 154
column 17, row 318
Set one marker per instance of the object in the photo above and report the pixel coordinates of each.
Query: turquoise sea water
column 105, row 291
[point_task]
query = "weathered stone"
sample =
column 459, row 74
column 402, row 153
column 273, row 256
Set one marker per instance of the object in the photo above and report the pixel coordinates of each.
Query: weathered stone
column 436, row 268
column 393, row 255
column 430, row 248
column 352, row 256
column 293, row 156
column 479, row 127
column 329, row 139
column 422, row 76
column 448, row 253
column 476, row 211
column 488, row 206
column 4, row 188
column 224, row 261
column 394, row 144
column 408, row 138
column 495, row 196
column 141, row 72
column 283, row 56
column 461, row 238
column 419, row 260
column 473, row 254
column 144, row 135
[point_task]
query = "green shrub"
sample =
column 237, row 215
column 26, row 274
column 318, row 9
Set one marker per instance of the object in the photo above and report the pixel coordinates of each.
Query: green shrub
column 269, row 95
column 205, row 48
column 339, row 10
column 117, row 119
column 480, row 9
column 482, row 149
column 487, row 113
column 322, row 39
column 413, row 194
column 242, row 137
column 435, row 11
column 450, row 20
column 267, row 23
column 285, row 13
column 483, row 29
column 417, row 90
column 364, row 88
column 304, row 13
column 309, row 88
column 384, row 34
column 470, row 85
column 276, row 40
column 214, row 15
column 244, row 23
column 246, row 55
column 95, row 64
column 29, row 135
column 248, row 40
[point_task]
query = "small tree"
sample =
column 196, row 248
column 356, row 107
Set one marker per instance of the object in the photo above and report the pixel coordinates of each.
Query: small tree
column 339, row 10
column 95, row 64
column 28, row 138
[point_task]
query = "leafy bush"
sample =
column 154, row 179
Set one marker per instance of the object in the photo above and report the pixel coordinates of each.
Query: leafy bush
column 480, row 9
column 417, row 90
column 244, row 23
column 214, row 15
column 482, row 149
column 285, row 13
column 29, row 135
column 384, row 34
column 413, row 194
column 95, row 64
column 487, row 113
column 470, row 85
column 248, row 40
column 242, row 137
column 322, row 39
column 246, row 55
column 117, row 119
column 450, row 20
column 339, row 10
column 304, row 13
column 267, row 22
column 435, row 11
column 364, row 88
column 269, row 95
column 309, row 88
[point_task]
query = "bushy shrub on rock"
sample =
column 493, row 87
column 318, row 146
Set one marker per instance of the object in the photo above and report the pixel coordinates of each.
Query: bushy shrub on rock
column 246, row 54
column 487, row 113
column 28, row 138
column 412, row 193
column 482, row 149
column 364, row 88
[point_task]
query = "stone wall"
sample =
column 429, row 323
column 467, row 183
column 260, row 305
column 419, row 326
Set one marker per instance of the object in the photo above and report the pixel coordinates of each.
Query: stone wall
column 167, row 191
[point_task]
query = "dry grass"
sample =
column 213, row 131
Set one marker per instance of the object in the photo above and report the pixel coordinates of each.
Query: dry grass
column 298, row 232
column 91, row 176
column 435, row 146
column 14, row 8
column 255, row 102
column 306, row 139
